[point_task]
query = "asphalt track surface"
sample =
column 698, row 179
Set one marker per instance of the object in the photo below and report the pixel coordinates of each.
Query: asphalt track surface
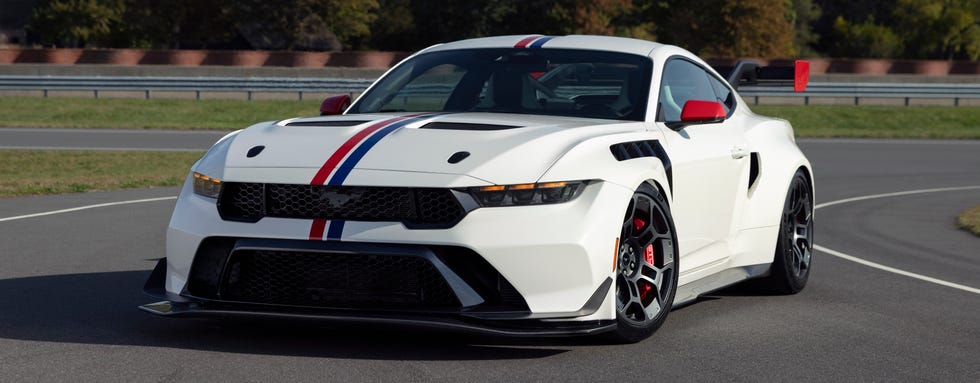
column 70, row 284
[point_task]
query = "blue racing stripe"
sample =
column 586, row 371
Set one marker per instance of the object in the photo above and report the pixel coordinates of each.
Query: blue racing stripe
column 540, row 42
column 336, row 230
column 345, row 168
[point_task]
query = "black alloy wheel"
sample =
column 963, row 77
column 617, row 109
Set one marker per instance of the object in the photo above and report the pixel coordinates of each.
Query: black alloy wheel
column 646, row 268
column 794, row 245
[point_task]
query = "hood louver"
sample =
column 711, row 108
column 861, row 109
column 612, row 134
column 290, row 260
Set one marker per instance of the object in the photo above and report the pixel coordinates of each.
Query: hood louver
column 466, row 126
column 328, row 123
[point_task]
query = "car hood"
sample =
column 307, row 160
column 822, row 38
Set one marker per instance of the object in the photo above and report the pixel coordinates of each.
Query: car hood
column 502, row 148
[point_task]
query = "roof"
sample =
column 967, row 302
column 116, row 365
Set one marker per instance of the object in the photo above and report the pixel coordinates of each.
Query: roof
column 606, row 43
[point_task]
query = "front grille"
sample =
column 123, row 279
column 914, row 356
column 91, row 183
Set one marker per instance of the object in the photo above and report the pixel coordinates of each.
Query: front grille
column 421, row 207
column 336, row 280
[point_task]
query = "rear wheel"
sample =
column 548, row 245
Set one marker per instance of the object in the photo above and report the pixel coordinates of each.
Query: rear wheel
column 794, row 245
column 646, row 269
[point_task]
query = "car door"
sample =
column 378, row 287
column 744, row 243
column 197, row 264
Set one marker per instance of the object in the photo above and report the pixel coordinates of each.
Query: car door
column 709, row 161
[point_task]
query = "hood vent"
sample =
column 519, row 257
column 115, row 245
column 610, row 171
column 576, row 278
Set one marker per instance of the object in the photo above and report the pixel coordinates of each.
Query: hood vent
column 466, row 126
column 328, row 123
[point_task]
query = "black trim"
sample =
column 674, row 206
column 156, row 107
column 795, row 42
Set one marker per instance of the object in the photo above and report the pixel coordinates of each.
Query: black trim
column 259, row 204
column 535, row 328
column 679, row 125
column 329, row 123
column 751, row 73
column 254, row 151
column 466, row 126
column 504, row 323
column 754, row 168
column 649, row 148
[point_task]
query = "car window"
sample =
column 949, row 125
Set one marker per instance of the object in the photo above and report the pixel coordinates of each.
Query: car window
column 682, row 81
column 429, row 90
column 723, row 94
column 565, row 82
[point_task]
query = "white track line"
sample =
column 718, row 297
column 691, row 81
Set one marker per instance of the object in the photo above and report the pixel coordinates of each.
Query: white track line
column 896, row 194
column 107, row 204
column 890, row 269
column 832, row 252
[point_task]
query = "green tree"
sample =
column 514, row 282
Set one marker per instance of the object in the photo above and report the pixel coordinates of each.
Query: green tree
column 804, row 14
column 718, row 28
column 944, row 29
column 599, row 17
column 866, row 39
column 304, row 24
column 76, row 23
column 174, row 24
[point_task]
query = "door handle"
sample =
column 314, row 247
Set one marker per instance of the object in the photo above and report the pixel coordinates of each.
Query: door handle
column 739, row 152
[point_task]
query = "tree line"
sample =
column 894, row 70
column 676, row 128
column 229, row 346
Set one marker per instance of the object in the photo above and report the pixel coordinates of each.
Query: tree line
column 918, row 29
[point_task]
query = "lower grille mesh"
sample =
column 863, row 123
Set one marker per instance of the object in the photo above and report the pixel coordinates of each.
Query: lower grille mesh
column 335, row 280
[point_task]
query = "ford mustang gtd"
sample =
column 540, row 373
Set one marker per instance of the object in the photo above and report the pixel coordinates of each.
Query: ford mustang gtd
column 515, row 185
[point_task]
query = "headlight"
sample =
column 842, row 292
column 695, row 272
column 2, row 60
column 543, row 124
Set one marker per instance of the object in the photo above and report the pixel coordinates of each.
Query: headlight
column 527, row 194
column 206, row 186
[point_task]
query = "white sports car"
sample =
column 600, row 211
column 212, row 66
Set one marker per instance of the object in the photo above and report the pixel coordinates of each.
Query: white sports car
column 515, row 185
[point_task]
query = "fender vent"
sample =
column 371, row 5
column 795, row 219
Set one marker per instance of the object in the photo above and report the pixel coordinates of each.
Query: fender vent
column 466, row 126
column 753, row 169
column 649, row 148
column 328, row 123
column 636, row 149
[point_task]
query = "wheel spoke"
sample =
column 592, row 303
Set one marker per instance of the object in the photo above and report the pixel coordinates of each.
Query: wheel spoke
column 646, row 226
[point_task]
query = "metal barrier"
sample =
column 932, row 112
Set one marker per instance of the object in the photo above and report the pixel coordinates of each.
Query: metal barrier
column 194, row 84
column 857, row 91
column 249, row 85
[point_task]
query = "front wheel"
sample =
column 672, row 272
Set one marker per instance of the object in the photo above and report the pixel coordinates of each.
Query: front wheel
column 646, row 269
column 794, row 246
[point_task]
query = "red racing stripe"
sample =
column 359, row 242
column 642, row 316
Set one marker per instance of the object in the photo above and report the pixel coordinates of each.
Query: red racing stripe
column 334, row 160
column 319, row 225
column 316, row 230
column 525, row 41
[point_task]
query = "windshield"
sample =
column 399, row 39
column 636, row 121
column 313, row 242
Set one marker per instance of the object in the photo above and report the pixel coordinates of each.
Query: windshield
column 577, row 83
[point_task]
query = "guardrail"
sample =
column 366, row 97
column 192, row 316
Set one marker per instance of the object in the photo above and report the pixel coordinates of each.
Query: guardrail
column 857, row 91
column 250, row 85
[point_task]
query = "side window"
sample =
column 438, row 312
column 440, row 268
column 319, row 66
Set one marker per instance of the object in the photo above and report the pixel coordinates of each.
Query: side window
column 722, row 93
column 682, row 81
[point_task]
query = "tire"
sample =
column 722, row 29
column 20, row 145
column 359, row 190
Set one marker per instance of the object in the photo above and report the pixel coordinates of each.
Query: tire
column 794, row 246
column 645, row 290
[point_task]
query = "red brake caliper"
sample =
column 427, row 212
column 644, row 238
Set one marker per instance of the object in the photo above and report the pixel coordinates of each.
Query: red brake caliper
column 648, row 255
column 645, row 289
column 638, row 224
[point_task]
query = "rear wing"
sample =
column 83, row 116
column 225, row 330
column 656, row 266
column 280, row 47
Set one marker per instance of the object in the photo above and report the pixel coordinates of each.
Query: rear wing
column 749, row 73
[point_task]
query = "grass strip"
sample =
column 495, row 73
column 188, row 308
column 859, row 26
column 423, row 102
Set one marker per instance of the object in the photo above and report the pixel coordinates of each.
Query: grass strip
column 147, row 114
column 33, row 172
column 969, row 220
column 879, row 121
column 809, row 121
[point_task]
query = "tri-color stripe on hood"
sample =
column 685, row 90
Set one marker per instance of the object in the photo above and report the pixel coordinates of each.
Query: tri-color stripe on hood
column 502, row 148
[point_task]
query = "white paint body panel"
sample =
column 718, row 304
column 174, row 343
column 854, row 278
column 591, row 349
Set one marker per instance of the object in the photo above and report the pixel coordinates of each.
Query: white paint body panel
column 556, row 256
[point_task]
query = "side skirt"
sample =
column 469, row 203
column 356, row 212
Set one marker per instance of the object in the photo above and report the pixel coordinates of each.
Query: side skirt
column 728, row 277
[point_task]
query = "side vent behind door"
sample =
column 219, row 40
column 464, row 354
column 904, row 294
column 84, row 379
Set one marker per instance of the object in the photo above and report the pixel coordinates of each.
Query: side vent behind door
column 753, row 169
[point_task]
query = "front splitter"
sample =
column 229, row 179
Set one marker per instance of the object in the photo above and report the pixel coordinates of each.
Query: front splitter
column 510, row 328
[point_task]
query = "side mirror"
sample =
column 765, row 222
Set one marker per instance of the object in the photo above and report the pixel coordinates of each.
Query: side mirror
column 334, row 105
column 702, row 112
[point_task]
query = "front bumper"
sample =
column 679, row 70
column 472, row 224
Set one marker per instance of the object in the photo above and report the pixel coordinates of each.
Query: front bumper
column 472, row 319
column 556, row 256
